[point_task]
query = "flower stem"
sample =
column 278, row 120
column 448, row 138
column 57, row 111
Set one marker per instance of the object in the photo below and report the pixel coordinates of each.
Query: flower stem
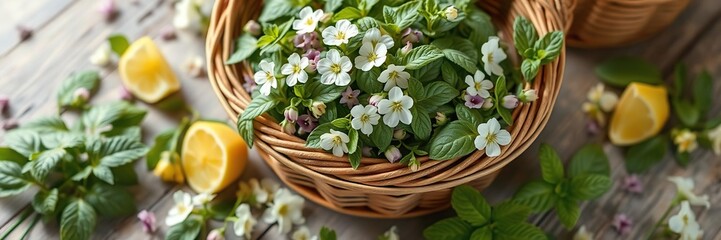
column 25, row 214
column 36, row 219
column 661, row 220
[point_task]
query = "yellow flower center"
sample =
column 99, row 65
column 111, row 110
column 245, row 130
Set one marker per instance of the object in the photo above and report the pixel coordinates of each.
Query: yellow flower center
column 393, row 75
column 337, row 140
column 491, row 138
column 478, row 85
column 490, row 58
column 283, row 210
column 397, row 106
column 372, row 57
column 309, row 21
column 335, row 68
column 269, row 76
column 340, row 35
column 296, row 69
column 365, row 118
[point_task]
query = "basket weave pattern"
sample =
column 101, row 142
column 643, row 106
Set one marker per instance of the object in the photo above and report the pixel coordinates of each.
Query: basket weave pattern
column 609, row 23
column 378, row 188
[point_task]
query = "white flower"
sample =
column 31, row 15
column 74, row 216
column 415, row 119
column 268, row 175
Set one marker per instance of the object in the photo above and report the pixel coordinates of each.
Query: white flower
column 340, row 33
column 263, row 190
column 286, row 209
column 391, row 234
column 686, row 141
column 396, row 107
column 203, row 198
column 302, row 233
column 685, row 189
column 583, row 234
column 371, row 56
column 478, row 85
column 394, row 76
column 451, row 13
column 490, row 136
column 265, row 78
column 364, row 118
column 334, row 69
column 187, row 15
column 335, row 141
column 101, row 57
column 295, row 69
column 181, row 210
column 492, row 56
column 373, row 36
column 243, row 226
column 308, row 20
column 684, row 223
column 715, row 136
column 608, row 101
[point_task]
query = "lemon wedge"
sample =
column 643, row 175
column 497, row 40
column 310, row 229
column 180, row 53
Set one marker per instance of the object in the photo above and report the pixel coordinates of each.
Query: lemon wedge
column 145, row 73
column 640, row 114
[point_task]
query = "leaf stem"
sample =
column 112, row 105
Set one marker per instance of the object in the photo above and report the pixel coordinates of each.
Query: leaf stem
column 661, row 220
column 36, row 219
column 26, row 213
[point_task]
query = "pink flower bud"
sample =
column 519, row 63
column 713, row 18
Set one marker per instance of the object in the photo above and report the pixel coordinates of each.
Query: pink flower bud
column 124, row 94
column 81, row 96
column 288, row 127
column 632, row 184
column 622, row 224
column 375, row 99
column 4, row 102
column 291, row 114
column 487, row 103
column 529, row 95
column 252, row 27
column 108, row 9
column 510, row 101
column 10, row 124
column 167, row 33
column 407, row 48
column 393, row 154
column 411, row 35
column 148, row 220
column 215, row 234
column 24, row 32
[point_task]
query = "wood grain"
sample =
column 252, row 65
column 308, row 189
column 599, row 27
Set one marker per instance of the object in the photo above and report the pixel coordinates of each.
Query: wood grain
column 67, row 32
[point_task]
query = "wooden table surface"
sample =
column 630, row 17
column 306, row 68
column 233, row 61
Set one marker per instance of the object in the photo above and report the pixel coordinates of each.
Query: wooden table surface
column 66, row 32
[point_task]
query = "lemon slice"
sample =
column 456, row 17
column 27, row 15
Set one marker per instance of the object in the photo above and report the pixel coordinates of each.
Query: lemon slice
column 640, row 114
column 145, row 73
column 213, row 156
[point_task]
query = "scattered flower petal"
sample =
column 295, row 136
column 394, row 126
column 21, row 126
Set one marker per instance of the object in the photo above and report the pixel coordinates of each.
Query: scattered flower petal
column 685, row 140
column 216, row 234
column 286, row 210
column 685, row 224
column 102, row 56
column 4, row 103
column 685, row 188
column 302, row 233
column 181, row 210
column 714, row 135
column 147, row 219
column 108, row 9
column 10, row 124
column 243, row 226
column 24, row 33
column 167, row 33
column 632, row 184
column 582, row 234
column 622, row 224
column 391, row 234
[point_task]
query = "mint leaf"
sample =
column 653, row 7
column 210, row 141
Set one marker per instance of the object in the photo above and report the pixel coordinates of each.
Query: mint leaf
column 483, row 233
column 619, row 72
column 642, row 156
column 110, row 200
column 453, row 141
column 103, row 173
column 355, row 157
column 530, row 68
column 348, row 13
column 274, row 9
column 25, row 142
column 461, row 59
column 77, row 221
column 402, row 16
column 327, row 234
column 45, row 201
column 12, row 181
column 422, row 56
column 7, row 154
column 437, row 94
column 187, row 230
column 332, row 5
column 501, row 91
column 119, row 115
column 459, row 51
column 324, row 93
column 416, row 90
column 367, row 23
column 85, row 79
column 524, row 34
column 257, row 106
column 450, row 75
column 125, row 175
column 353, row 143
column 161, row 144
column 119, row 151
column 524, row 231
column 470, row 205
column 538, row 195
column 245, row 46
column 118, row 43
column 421, row 124
column 313, row 140
column 568, row 212
column 590, row 186
column 687, row 113
column 510, row 213
column 368, row 81
column 703, row 92
column 41, row 163
column 46, row 125
column 549, row 46
column 449, row 229
column 551, row 165
column 590, row 159
column 381, row 136
column 471, row 116
column 428, row 73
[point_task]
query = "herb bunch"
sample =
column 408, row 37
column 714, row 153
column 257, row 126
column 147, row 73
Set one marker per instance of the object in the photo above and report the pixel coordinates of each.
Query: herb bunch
column 382, row 77
column 80, row 169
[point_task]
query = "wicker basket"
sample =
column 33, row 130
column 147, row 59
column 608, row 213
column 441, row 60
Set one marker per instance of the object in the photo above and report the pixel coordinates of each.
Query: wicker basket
column 610, row 23
column 378, row 188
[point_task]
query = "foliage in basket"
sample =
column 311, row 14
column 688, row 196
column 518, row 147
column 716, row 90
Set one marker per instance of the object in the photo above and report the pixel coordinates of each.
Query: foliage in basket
column 402, row 78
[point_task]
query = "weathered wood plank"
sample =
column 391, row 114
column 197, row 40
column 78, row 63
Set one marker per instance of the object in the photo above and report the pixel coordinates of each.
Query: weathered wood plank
column 32, row 14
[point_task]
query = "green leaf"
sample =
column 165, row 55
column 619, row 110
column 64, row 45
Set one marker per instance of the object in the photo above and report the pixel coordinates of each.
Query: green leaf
column 187, row 230
column 368, row 81
column 437, row 94
column 471, row 116
column 324, row 93
column 125, row 175
column 355, row 157
column 118, row 151
column 538, row 195
column 77, row 221
column 46, row 125
column 119, row 114
column 461, row 59
column 118, row 43
column 12, row 181
column 687, row 113
column 682, row 158
column 161, row 144
column 402, row 16
column 348, row 13
column 450, row 75
column 453, row 141
column 327, row 234
column 642, row 156
column 332, row 5
column 550, row 46
column 470, row 205
column 47, row 160
column 381, row 136
column 257, row 106
column 422, row 56
column 245, row 46
column 45, row 201
column 510, row 213
column 523, row 231
column 429, row 73
column 483, row 233
column 524, row 34
column 85, row 79
column 416, row 90
column 568, row 212
column 104, row 173
column 501, row 91
column 703, row 92
column 25, row 142
column 590, row 186
column 313, row 140
column 63, row 140
column 7, row 154
column 590, row 159
column 530, row 68
column 353, row 143
column 111, row 201
column 366, row 23
column 465, row 54
column 551, row 165
column 421, row 124
column 449, row 229
column 620, row 72
column 245, row 128
column 678, row 80
column 275, row 9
